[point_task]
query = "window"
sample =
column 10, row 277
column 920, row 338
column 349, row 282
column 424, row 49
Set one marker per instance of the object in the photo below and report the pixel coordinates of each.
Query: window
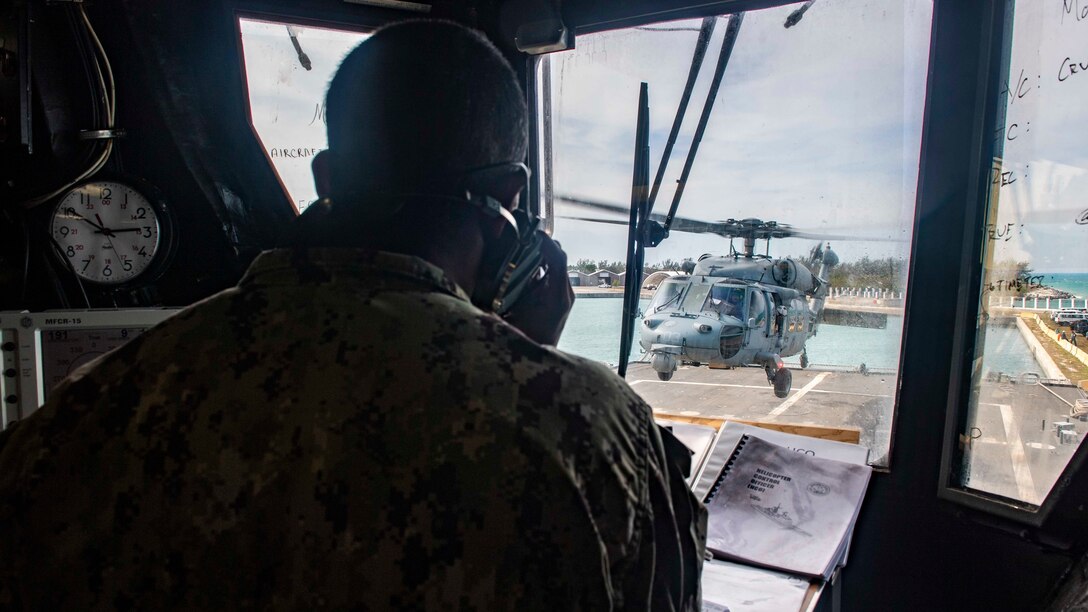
column 815, row 127
column 1026, row 402
column 288, row 68
column 726, row 300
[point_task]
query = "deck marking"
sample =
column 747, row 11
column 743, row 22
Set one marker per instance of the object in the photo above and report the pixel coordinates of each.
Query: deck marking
column 1025, row 484
column 790, row 401
column 702, row 384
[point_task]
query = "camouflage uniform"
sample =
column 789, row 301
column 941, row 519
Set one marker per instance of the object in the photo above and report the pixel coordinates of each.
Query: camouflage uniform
column 344, row 430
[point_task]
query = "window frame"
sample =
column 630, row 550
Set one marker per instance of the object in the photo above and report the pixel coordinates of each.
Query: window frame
column 368, row 21
column 968, row 306
column 634, row 15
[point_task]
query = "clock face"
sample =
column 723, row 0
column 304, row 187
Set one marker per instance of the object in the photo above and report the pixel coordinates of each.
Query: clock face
column 108, row 231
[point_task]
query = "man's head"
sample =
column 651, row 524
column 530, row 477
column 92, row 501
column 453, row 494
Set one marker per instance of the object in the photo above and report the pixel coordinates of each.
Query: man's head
column 415, row 107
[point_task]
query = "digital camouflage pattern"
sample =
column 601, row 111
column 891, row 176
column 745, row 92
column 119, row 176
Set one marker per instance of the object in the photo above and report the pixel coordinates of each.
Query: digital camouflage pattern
column 343, row 430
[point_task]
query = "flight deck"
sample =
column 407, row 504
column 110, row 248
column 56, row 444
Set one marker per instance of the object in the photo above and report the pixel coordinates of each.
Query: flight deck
column 1014, row 452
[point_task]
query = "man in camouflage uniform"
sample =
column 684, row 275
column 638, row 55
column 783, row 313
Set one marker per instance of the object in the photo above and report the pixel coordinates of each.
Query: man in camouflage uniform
column 345, row 429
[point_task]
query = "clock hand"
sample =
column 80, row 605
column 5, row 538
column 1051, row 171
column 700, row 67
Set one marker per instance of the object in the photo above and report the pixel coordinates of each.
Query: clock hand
column 102, row 226
column 117, row 231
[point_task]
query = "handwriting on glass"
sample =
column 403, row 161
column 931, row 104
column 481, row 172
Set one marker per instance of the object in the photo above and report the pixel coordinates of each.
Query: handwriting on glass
column 1018, row 284
column 1074, row 8
column 1001, row 232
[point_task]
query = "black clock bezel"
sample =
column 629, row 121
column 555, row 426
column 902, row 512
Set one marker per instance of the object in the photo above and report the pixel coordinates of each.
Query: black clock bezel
column 162, row 258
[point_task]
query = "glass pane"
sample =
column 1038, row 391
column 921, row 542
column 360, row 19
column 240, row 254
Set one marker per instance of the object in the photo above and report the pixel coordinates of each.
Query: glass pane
column 287, row 70
column 1027, row 407
column 815, row 126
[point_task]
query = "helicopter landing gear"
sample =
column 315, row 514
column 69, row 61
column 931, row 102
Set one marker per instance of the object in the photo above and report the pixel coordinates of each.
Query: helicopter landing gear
column 783, row 382
column 664, row 364
column 804, row 359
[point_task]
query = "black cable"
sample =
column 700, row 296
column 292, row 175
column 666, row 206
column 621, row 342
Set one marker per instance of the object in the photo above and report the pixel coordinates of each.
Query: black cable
column 26, row 262
column 705, row 32
column 728, row 41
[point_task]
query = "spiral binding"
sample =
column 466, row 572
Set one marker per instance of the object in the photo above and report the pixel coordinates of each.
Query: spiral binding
column 725, row 470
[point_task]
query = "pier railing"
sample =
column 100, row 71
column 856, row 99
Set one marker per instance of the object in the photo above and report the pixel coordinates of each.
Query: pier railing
column 1037, row 303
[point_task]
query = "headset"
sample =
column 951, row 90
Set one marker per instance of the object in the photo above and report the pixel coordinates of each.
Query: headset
column 511, row 264
column 514, row 262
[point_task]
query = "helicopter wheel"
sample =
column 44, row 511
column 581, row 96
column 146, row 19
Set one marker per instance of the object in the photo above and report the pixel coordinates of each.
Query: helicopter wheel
column 783, row 382
column 664, row 375
column 804, row 359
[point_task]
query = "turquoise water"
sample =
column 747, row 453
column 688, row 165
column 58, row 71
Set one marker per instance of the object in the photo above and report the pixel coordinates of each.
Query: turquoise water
column 1077, row 284
column 1007, row 352
column 593, row 331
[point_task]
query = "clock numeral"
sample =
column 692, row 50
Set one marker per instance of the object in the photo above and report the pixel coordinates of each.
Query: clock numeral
column 143, row 252
column 86, row 262
column 126, row 265
column 71, row 251
column 141, row 213
column 124, row 202
column 107, row 271
column 147, row 231
column 106, row 193
column 64, row 231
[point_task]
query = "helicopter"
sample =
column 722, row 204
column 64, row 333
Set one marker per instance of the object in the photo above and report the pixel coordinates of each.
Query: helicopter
column 735, row 310
column 739, row 309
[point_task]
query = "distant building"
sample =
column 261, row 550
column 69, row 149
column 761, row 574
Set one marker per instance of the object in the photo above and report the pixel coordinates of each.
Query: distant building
column 600, row 277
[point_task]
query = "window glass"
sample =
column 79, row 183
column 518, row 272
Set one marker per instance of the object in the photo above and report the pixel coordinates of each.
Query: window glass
column 816, row 126
column 1027, row 404
column 695, row 298
column 288, row 68
column 757, row 308
column 726, row 300
column 666, row 294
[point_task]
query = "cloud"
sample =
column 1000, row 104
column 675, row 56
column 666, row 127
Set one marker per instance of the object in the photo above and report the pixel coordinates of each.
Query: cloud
column 816, row 126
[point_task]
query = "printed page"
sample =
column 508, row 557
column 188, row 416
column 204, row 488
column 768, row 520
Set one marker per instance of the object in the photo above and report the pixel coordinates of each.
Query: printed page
column 739, row 588
column 698, row 438
column 816, row 447
column 785, row 510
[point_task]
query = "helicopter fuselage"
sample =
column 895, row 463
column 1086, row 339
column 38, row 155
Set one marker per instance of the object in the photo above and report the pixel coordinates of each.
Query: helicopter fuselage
column 730, row 312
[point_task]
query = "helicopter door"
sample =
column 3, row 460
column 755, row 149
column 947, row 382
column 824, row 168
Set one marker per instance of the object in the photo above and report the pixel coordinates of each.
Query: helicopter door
column 757, row 311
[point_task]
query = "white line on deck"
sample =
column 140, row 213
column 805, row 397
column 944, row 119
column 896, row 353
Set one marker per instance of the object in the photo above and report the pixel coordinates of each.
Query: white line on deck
column 702, row 384
column 1025, row 484
column 784, row 406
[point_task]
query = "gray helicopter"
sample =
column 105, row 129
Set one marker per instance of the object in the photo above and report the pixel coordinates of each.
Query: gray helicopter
column 740, row 309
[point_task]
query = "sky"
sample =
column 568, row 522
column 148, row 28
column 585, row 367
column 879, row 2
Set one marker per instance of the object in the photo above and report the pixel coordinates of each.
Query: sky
column 817, row 126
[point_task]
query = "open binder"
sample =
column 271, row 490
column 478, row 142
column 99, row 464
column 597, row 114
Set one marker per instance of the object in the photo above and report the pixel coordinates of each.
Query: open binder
column 784, row 510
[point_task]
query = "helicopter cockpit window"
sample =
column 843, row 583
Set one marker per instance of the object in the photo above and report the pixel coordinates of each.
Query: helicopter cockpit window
column 757, row 309
column 668, row 293
column 1026, row 367
column 725, row 300
column 287, row 70
column 696, row 298
column 808, row 163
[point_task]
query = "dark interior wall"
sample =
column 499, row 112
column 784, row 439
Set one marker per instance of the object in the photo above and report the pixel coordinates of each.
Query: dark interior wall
column 181, row 101
column 180, row 97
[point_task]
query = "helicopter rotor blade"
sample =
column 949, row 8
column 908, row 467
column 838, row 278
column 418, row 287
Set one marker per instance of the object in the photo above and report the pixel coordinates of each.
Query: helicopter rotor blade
column 730, row 228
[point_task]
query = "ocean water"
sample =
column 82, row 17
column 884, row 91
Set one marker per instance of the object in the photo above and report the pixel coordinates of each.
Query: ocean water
column 593, row 331
column 1075, row 283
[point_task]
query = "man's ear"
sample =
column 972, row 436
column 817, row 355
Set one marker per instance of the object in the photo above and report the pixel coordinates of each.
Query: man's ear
column 322, row 169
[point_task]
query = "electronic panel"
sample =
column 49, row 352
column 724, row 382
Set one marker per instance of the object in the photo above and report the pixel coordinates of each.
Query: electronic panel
column 39, row 350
